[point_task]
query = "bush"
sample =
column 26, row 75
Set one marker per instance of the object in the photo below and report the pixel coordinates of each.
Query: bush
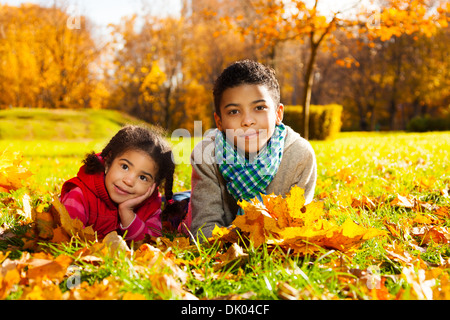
column 427, row 123
column 324, row 121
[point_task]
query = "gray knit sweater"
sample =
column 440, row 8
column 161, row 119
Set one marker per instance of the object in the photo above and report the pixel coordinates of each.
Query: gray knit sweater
column 211, row 204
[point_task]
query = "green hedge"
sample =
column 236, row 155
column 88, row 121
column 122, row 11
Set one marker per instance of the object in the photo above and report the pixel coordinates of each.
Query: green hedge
column 427, row 123
column 324, row 121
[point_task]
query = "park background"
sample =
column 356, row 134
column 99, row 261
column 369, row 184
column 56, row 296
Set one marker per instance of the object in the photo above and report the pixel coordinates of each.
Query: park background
column 385, row 62
column 371, row 74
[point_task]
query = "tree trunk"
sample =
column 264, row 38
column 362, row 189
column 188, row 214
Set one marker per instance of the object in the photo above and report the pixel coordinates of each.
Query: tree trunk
column 363, row 125
column 308, row 83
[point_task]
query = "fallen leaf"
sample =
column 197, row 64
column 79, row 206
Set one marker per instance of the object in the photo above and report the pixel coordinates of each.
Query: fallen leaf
column 234, row 256
column 26, row 213
column 405, row 202
column 73, row 227
column 133, row 296
column 287, row 222
column 9, row 276
column 435, row 234
column 12, row 174
column 44, row 224
column 115, row 243
column 48, row 268
column 45, row 290
column 421, row 287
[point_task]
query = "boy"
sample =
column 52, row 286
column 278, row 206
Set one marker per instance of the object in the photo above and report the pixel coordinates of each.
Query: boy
column 250, row 152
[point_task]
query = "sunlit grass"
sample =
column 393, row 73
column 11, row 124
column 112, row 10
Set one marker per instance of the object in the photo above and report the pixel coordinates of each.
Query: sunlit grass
column 375, row 165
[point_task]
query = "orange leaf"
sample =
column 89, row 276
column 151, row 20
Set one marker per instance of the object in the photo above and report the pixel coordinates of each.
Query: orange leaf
column 8, row 278
column 51, row 269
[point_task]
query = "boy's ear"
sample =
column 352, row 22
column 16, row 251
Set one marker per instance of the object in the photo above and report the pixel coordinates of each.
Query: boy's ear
column 280, row 114
column 218, row 121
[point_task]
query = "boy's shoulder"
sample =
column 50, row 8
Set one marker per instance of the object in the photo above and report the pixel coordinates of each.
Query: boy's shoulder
column 295, row 142
column 204, row 150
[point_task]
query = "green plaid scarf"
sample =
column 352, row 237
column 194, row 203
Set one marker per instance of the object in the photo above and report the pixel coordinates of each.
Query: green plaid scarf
column 247, row 178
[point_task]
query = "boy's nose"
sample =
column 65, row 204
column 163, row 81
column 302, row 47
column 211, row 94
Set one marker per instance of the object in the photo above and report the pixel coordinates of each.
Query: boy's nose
column 247, row 120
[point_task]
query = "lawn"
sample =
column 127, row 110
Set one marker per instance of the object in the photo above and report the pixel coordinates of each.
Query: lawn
column 394, row 182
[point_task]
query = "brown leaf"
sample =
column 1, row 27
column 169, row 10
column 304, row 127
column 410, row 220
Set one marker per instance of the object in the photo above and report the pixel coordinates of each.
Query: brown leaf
column 44, row 224
column 234, row 256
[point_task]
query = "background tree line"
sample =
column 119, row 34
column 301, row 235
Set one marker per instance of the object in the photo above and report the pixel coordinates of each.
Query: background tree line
column 161, row 69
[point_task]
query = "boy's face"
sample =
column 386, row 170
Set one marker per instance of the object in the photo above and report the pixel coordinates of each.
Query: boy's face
column 248, row 116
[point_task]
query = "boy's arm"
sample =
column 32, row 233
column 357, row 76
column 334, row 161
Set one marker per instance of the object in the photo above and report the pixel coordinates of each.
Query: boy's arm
column 206, row 205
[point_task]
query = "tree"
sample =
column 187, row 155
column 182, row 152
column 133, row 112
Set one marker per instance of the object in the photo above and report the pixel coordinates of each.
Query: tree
column 44, row 63
column 278, row 21
column 401, row 23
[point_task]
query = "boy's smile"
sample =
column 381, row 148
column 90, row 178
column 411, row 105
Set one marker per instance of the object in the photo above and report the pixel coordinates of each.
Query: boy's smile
column 248, row 116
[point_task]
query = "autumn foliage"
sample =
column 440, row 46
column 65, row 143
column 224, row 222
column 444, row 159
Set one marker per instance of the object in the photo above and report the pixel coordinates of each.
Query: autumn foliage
column 162, row 68
column 12, row 173
column 292, row 225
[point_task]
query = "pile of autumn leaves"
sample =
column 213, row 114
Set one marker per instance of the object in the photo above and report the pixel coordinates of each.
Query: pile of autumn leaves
column 282, row 222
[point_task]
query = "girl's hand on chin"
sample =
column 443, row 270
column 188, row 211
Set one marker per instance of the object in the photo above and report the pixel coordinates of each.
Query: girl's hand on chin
column 132, row 203
column 126, row 208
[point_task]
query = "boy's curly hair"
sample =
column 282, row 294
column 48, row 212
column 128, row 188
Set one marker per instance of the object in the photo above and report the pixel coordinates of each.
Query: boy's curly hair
column 133, row 137
column 245, row 72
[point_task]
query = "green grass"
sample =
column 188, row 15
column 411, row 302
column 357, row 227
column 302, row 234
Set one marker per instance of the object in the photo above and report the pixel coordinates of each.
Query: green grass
column 47, row 124
column 354, row 165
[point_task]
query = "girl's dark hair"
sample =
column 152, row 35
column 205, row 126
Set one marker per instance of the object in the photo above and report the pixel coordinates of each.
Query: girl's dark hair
column 133, row 137
column 245, row 72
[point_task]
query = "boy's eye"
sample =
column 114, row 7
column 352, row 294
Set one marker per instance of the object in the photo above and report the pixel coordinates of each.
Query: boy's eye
column 231, row 112
column 260, row 108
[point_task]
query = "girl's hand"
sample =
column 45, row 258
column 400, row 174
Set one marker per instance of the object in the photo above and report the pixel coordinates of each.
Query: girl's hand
column 126, row 208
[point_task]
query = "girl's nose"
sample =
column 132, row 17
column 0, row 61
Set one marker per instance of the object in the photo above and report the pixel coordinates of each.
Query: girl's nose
column 128, row 180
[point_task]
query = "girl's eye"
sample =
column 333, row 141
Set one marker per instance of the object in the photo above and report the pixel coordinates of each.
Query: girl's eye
column 143, row 178
column 124, row 167
column 232, row 112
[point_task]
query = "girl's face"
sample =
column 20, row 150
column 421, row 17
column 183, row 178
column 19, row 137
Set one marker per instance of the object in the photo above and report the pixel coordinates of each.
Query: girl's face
column 248, row 116
column 130, row 175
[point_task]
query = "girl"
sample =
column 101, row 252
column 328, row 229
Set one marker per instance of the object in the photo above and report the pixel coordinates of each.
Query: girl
column 118, row 188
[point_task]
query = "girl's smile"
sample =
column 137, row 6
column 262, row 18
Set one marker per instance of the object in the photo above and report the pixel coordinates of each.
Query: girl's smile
column 130, row 175
column 120, row 191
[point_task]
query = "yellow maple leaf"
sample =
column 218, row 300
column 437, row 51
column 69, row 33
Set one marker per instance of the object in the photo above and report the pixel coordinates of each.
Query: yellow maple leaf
column 8, row 278
column 295, row 202
column 12, row 174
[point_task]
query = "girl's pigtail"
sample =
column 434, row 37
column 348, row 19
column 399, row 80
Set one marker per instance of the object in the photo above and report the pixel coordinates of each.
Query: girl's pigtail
column 168, row 185
column 174, row 211
column 93, row 164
